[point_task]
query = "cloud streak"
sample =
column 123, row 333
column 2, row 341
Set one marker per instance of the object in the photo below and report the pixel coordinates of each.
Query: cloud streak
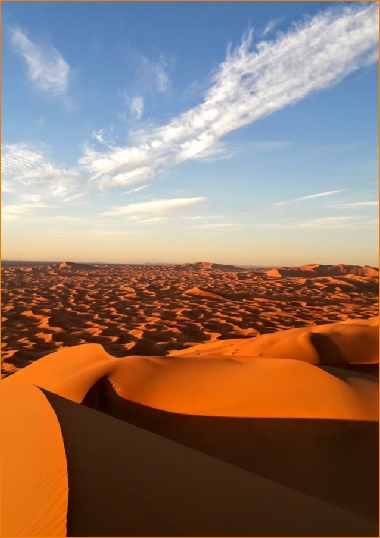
column 327, row 223
column 271, row 26
column 224, row 226
column 309, row 197
column 47, row 69
column 154, row 207
column 137, row 189
column 249, row 85
column 355, row 205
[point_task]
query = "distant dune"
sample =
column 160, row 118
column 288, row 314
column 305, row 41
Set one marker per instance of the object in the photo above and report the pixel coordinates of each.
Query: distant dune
column 156, row 310
column 210, row 266
column 74, row 266
column 316, row 270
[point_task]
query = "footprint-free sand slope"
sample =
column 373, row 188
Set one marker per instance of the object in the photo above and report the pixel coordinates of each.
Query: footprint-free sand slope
column 34, row 480
column 246, row 386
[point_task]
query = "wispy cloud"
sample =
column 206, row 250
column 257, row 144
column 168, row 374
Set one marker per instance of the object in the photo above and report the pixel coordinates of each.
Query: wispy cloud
column 135, row 104
column 153, row 219
column 26, row 169
column 103, row 137
column 355, row 205
column 271, row 26
column 16, row 211
column 154, row 207
column 309, row 197
column 47, row 69
column 224, row 226
column 340, row 223
column 156, row 73
column 329, row 223
column 149, row 75
column 249, row 85
column 203, row 217
column 137, row 189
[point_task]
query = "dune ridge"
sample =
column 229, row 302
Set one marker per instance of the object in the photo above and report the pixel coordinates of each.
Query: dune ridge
column 268, row 376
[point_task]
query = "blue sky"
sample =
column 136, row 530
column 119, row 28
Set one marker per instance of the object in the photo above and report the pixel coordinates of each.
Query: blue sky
column 238, row 133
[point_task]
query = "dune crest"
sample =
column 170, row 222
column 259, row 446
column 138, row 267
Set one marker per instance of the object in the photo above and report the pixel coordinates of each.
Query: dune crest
column 348, row 342
column 272, row 375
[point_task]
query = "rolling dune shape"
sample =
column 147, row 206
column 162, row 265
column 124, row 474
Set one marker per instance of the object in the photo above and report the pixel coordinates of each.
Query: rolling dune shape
column 251, row 425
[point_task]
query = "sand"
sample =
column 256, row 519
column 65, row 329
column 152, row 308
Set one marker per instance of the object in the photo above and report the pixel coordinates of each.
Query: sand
column 155, row 310
column 271, row 433
column 34, row 480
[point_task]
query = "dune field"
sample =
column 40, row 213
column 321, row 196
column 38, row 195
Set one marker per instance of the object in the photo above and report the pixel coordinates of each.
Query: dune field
column 193, row 400
column 156, row 310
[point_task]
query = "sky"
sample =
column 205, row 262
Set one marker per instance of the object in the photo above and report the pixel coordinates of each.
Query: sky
column 243, row 133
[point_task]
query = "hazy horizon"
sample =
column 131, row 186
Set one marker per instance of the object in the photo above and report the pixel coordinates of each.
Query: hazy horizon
column 255, row 143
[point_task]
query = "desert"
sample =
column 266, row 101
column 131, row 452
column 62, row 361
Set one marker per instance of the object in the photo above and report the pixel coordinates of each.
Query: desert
column 190, row 269
column 154, row 386
column 158, row 310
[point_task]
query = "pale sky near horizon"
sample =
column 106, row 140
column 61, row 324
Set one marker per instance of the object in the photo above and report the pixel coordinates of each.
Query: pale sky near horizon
column 242, row 133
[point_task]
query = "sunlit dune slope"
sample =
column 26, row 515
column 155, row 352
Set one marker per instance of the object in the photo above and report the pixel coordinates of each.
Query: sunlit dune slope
column 220, row 382
column 348, row 342
column 34, row 481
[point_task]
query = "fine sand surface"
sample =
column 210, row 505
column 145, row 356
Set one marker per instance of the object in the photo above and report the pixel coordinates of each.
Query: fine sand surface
column 155, row 310
column 161, row 424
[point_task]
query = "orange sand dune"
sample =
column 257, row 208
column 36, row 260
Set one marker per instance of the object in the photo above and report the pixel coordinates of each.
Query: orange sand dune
column 33, row 496
column 214, row 384
column 227, row 442
column 348, row 342
column 202, row 293
column 52, row 307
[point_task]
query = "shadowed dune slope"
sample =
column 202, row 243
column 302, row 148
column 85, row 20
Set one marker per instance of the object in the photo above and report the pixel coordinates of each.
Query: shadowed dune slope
column 126, row 481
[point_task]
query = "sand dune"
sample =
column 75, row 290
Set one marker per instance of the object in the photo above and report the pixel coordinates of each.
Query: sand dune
column 348, row 342
column 194, row 402
column 266, row 447
column 70, row 304
column 34, row 478
column 315, row 269
column 227, row 378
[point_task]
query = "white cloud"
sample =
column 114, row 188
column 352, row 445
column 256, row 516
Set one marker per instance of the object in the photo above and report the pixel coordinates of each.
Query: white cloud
column 153, row 219
column 26, row 170
column 31, row 197
column 249, row 85
column 137, row 106
column 354, row 205
column 340, row 223
column 203, row 217
column 154, row 207
column 229, row 226
column 309, row 197
column 15, row 211
column 155, row 73
column 137, row 189
column 47, row 69
column 334, row 223
column 271, row 26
